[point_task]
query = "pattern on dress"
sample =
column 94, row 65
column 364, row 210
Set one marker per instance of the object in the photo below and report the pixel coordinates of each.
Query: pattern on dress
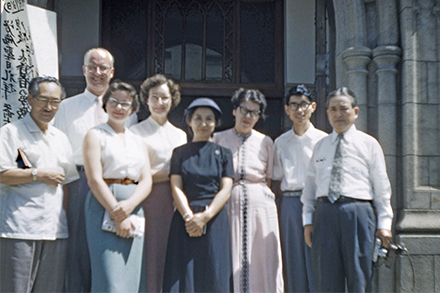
column 244, row 213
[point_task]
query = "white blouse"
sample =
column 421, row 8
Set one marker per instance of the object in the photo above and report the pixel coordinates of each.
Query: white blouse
column 160, row 140
column 120, row 159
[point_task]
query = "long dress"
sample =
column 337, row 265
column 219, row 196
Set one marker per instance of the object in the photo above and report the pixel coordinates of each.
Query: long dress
column 158, row 206
column 116, row 262
column 256, row 250
column 200, row 264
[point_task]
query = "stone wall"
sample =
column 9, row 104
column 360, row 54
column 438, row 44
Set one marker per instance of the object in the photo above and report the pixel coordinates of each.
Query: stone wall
column 388, row 53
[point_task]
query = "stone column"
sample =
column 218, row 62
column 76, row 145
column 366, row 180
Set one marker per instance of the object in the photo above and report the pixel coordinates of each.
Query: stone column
column 357, row 59
column 386, row 58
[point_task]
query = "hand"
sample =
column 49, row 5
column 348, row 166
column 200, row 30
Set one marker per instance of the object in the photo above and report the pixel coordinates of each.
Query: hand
column 308, row 231
column 385, row 235
column 122, row 210
column 50, row 176
column 194, row 225
column 123, row 228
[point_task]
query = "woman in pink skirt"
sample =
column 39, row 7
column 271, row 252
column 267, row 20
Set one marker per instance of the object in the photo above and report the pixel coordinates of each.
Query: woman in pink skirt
column 256, row 250
column 160, row 95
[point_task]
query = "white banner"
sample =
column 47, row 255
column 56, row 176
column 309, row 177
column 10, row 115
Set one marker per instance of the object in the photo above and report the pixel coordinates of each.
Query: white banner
column 17, row 65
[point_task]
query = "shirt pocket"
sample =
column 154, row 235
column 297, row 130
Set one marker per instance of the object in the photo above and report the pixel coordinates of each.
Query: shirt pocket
column 32, row 156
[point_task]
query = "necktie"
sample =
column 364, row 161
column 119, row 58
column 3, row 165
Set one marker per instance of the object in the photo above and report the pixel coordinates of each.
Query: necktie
column 336, row 175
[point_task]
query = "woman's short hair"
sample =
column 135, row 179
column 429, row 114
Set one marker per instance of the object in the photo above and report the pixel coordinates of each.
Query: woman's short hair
column 118, row 85
column 252, row 95
column 158, row 80
column 342, row 91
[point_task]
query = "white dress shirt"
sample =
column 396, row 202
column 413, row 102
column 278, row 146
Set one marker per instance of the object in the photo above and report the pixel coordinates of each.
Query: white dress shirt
column 160, row 140
column 120, row 159
column 292, row 155
column 34, row 210
column 77, row 115
column 364, row 174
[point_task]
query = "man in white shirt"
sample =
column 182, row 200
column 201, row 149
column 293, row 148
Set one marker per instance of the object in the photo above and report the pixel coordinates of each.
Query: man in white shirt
column 346, row 201
column 76, row 116
column 33, row 224
column 292, row 152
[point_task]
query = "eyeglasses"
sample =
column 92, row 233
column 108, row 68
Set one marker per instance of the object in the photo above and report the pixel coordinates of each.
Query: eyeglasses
column 114, row 103
column 43, row 102
column 245, row 111
column 165, row 99
column 94, row 68
column 295, row 106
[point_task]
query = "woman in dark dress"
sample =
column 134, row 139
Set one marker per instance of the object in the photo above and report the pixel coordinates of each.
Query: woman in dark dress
column 199, row 250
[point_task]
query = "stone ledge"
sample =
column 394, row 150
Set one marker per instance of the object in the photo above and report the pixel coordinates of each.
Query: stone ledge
column 419, row 221
column 420, row 244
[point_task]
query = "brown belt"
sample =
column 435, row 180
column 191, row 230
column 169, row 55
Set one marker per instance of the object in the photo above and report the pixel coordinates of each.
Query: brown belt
column 124, row 181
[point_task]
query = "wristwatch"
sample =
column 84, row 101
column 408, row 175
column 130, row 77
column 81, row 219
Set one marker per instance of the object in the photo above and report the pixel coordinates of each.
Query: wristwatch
column 34, row 173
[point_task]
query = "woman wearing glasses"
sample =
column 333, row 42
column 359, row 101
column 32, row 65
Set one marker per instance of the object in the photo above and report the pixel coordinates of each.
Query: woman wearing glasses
column 117, row 167
column 161, row 95
column 256, row 251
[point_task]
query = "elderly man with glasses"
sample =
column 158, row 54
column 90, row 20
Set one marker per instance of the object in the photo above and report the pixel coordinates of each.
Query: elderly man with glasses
column 36, row 163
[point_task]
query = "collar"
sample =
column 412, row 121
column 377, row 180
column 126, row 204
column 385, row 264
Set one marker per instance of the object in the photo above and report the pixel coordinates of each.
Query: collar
column 156, row 125
column 241, row 135
column 90, row 97
column 347, row 135
column 306, row 134
column 33, row 127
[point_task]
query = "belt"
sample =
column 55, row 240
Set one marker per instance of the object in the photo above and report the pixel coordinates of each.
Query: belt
column 124, row 181
column 293, row 193
column 342, row 199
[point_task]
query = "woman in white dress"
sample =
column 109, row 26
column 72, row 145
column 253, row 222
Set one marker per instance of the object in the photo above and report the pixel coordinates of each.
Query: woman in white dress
column 256, row 250
column 118, row 172
column 160, row 95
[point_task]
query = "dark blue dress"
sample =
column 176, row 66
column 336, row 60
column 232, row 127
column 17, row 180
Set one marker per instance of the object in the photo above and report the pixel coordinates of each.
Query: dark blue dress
column 200, row 264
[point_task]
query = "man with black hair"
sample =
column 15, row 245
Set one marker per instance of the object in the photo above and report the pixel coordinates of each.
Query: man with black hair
column 36, row 163
column 292, row 152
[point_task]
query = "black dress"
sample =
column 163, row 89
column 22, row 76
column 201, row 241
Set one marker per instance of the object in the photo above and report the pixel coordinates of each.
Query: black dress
column 200, row 264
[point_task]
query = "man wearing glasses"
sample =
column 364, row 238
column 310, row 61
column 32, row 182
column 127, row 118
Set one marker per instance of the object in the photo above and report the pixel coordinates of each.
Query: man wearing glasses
column 75, row 117
column 292, row 152
column 35, row 164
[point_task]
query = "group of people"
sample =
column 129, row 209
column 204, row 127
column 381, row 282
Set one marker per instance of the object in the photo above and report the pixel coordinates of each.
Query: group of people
column 91, row 200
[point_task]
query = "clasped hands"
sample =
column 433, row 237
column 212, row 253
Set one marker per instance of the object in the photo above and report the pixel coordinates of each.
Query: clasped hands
column 120, row 214
column 195, row 223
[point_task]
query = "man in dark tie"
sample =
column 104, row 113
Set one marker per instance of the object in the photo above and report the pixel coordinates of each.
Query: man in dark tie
column 346, row 201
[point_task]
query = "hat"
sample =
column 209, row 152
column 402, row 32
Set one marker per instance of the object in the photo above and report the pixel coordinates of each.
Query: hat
column 204, row 102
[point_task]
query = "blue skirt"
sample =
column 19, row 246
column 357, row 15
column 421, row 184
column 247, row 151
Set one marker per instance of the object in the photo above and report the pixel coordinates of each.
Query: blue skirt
column 116, row 263
column 199, row 264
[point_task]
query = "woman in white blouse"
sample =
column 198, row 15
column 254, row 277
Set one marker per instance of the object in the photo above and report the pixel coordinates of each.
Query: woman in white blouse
column 117, row 167
column 160, row 95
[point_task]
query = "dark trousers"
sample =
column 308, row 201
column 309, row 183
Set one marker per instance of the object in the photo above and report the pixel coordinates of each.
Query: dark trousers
column 32, row 265
column 342, row 246
column 78, row 272
column 297, row 264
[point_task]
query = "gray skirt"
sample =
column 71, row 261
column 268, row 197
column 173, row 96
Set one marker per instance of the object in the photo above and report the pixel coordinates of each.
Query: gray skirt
column 116, row 262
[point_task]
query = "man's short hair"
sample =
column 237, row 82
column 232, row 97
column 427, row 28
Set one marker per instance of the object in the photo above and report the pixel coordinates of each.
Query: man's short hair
column 33, row 85
column 86, row 55
column 342, row 91
column 299, row 90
